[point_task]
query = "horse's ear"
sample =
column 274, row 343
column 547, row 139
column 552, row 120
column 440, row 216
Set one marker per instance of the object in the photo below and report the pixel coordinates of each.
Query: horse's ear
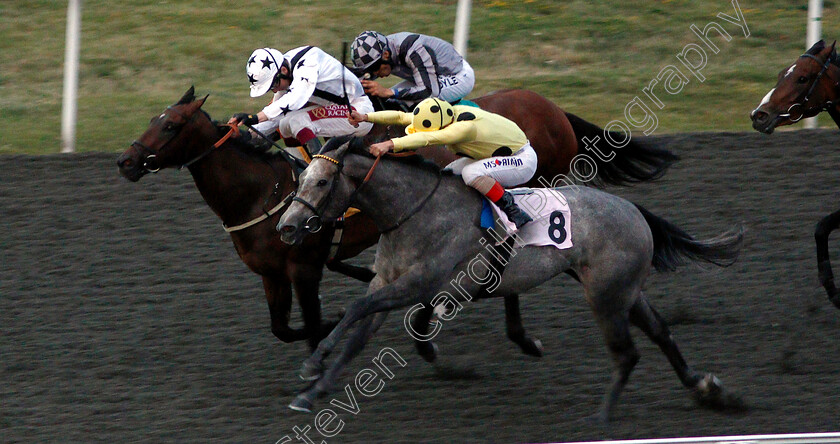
column 816, row 48
column 346, row 146
column 188, row 97
column 201, row 101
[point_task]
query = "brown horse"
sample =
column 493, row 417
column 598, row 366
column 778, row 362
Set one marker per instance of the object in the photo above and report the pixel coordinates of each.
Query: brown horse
column 248, row 190
column 806, row 88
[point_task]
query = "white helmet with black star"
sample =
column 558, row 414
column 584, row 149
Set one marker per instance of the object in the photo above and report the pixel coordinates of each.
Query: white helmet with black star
column 367, row 49
column 263, row 66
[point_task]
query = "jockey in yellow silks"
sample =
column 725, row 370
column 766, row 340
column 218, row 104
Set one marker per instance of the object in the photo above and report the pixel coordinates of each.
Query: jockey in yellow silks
column 497, row 154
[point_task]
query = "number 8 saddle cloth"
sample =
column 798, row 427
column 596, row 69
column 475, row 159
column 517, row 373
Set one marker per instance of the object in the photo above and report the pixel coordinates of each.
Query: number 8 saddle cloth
column 552, row 218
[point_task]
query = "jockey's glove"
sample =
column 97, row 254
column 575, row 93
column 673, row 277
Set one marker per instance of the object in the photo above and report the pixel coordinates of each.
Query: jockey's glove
column 246, row 119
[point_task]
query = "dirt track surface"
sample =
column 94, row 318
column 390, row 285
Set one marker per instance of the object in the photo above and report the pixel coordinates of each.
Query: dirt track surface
column 126, row 316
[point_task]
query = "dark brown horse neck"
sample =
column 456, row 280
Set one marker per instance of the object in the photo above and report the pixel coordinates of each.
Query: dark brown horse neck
column 237, row 183
column 833, row 100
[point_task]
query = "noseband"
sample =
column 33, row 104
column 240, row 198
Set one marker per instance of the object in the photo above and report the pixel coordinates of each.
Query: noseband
column 314, row 224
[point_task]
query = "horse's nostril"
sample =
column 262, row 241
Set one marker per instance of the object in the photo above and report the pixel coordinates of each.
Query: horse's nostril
column 287, row 229
column 759, row 115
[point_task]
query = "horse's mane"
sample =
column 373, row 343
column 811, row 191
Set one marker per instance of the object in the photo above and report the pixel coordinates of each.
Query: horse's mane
column 358, row 146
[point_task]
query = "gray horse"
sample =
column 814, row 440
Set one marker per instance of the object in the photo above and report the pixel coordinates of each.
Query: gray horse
column 431, row 235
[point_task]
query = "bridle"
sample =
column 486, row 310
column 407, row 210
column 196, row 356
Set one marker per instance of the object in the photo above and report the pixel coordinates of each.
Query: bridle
column 151, row 155
column 314, row 223
column 233, row 132
column 828, row 105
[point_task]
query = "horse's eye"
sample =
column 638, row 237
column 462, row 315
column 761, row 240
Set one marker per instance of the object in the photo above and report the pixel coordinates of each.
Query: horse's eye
column 802, row 79
column 322, row 182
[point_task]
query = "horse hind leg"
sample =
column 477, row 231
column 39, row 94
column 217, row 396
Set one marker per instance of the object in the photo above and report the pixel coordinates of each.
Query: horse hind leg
column 616, row 330
column 707, row 389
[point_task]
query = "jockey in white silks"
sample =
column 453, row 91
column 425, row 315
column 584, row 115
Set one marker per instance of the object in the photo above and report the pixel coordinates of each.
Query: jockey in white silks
column 309, row 98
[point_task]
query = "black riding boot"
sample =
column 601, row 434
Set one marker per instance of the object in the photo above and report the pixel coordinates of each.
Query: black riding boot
column 313, row 146
column 513, row 212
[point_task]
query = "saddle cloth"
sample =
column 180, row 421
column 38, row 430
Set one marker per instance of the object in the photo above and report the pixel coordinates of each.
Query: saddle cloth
column 552, row 218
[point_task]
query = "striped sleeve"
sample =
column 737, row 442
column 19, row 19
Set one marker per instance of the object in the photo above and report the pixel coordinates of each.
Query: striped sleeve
column 423, row 64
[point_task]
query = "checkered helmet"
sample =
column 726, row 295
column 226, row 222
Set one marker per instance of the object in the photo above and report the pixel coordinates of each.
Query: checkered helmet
column 262, row 67
column 367, row 49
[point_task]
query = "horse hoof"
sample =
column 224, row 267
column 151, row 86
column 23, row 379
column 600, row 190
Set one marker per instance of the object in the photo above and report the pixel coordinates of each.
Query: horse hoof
column 428, row 352
column 532, row 347
column 710, row 393
column 311, row 371
column 301, row 404
column 709, row 387
column 599, row 419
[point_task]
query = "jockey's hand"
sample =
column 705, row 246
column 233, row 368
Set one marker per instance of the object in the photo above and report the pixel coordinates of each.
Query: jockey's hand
column 378, row 149
column 244, row 118
column 373, row 88
column 355, row 118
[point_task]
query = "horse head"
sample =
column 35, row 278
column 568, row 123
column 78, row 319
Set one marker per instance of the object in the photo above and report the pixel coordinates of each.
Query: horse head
column 804, row 89
column 324, row 192
column 170, row 139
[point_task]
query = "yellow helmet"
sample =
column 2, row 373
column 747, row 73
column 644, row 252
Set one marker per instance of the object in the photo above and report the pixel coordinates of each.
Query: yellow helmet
column 430, row 115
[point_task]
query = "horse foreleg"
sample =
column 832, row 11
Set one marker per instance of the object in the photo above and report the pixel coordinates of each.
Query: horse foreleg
column 824, row 229
column 416, row 285
column 352, row 271
column 278, row 294
column 306, row 280
column 515, row 329
column 355, row 344
column 420, row 325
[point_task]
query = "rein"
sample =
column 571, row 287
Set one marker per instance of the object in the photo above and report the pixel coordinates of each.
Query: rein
column 233, row 132
column 315, row 219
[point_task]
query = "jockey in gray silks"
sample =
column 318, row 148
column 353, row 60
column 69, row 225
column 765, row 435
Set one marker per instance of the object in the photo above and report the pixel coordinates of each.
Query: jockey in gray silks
column 429, row 67
column 309, row 98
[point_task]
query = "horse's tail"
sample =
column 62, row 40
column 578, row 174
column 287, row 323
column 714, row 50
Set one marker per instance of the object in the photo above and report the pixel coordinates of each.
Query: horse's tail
column 636, row 162
column 673, row 247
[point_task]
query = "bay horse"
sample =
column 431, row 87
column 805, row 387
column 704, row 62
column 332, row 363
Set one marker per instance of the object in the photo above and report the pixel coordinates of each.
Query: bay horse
column 247, row 190
column 806, row 88
column 434, row 238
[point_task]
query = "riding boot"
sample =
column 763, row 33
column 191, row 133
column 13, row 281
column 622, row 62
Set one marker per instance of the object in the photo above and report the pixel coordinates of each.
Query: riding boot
column 313, row 146
column 513, row 212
